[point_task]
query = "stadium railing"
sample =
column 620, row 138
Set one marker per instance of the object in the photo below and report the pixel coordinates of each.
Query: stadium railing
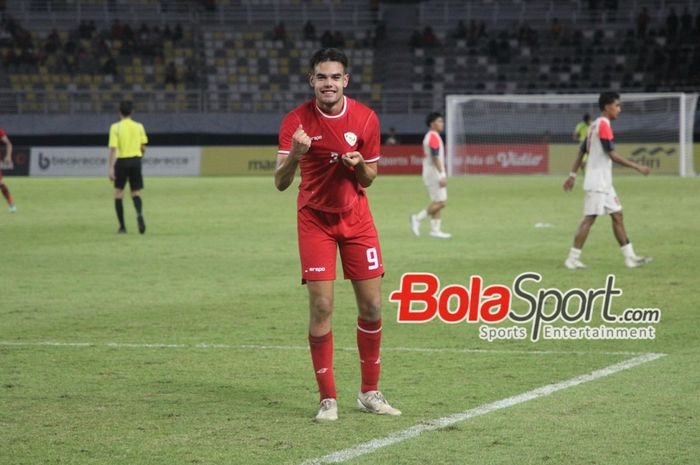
column 199, row 101
column 341, row 15
column 446, row 13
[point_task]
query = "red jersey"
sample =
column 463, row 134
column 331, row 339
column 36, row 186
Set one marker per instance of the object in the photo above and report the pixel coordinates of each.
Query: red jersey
column 2, row 133
column 326, row 183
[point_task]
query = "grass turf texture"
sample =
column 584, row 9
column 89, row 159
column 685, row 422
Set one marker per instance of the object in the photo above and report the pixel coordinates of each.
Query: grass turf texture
column 219, row 265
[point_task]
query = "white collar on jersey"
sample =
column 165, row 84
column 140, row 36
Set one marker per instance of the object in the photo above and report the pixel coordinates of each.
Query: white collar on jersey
column 326, row 115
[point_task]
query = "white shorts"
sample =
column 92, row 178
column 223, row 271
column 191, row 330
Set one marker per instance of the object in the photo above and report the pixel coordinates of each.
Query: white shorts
column 436, row 193
column 601, row 203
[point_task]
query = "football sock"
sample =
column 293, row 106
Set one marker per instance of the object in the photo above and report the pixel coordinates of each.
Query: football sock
column 137, row 204
column 119, row 207
column 574, row 253
column 322, row 359
column 369, row 339
column 435, row 224
column 627, row 250
column 423, row 214
column 6, row 194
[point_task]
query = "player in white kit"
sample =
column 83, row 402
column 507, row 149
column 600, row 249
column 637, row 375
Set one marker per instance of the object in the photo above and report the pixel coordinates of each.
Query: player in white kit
column 434, row 178
column 600, row 197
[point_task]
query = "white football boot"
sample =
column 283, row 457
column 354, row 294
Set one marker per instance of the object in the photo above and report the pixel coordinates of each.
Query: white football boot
column 374, row 402
column 574, row 264
column 635, row 262
column 415, row 224
column 328, row 410
column 440, row 234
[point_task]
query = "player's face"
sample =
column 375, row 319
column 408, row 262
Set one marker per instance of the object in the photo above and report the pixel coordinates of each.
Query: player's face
column 328, row 80
column 438, row 124
column 613, row 109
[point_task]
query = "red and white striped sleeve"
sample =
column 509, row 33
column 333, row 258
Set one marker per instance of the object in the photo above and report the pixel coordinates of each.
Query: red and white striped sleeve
column 604, row 130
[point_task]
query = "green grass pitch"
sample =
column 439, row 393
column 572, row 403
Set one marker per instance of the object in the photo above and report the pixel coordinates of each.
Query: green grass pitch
column 217, row 278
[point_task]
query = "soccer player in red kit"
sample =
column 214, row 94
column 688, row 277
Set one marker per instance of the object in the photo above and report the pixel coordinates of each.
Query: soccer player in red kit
column 7, row 161
column 334, row 140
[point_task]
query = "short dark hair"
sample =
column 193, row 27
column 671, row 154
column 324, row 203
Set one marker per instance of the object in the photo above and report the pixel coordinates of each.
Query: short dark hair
column 432, row 117
column 586, row 117
column 126, row 107
column 328, row 54
column 606, row 98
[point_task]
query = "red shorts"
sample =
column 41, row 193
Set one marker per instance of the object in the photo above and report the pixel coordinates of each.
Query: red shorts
column 321, row 234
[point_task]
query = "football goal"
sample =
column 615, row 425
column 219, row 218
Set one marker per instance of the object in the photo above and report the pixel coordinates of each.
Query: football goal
column 520, row 134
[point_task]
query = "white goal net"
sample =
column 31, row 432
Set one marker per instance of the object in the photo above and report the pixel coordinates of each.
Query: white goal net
column 521, row 134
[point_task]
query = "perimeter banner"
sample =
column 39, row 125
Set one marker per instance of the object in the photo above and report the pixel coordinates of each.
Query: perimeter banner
column 92, row 161
column 501, row 159
column 239, row 160
column 662, row 158
column 401, row 159
column 20, row 161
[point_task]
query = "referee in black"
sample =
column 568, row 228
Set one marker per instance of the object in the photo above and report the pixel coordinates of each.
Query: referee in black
column 127, row 145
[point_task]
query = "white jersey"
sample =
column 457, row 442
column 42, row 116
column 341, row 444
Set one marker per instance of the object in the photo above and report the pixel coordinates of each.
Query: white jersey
column 599, row 166
column 432, row 141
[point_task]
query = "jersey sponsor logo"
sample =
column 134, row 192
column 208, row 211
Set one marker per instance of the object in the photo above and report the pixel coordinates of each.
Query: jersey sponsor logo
column 319, row 137
column 350, row 138
column 334, row 157
column 317, row 269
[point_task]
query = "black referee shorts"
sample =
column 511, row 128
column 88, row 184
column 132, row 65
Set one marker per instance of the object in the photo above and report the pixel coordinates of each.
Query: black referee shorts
column 128, row 169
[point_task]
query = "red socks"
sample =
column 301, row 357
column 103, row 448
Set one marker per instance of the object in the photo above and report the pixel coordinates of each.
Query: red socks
column 369, row 338
column 322, row 358
column 6, row 194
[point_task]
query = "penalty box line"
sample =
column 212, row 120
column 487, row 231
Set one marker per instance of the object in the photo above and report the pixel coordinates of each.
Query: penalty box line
column 432, row 425
column 138, row 345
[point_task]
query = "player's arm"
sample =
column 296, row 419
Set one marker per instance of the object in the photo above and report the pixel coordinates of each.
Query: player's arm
column 571, row 180
column 606, row 140
column 437, row 162
column 112, row 144
column 620, row 160
column 8, row 149
column 365, row 172
column 287, row 165
column 144, row 140
column 112, row 160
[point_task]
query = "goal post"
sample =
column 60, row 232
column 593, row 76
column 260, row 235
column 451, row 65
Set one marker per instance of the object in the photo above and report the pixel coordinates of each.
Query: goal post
column 533, row 134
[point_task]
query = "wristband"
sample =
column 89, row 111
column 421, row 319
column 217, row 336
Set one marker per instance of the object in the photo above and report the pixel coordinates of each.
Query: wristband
column 572, row 174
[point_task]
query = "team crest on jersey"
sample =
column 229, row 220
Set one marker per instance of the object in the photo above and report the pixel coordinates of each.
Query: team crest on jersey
column 350, row 138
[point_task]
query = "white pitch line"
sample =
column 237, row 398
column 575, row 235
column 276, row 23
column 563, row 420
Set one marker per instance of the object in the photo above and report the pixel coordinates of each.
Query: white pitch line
column 130, row 345
column 432, row 425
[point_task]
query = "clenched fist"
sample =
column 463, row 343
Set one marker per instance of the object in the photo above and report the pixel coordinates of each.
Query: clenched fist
column 301, row 142
column 351, row 159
